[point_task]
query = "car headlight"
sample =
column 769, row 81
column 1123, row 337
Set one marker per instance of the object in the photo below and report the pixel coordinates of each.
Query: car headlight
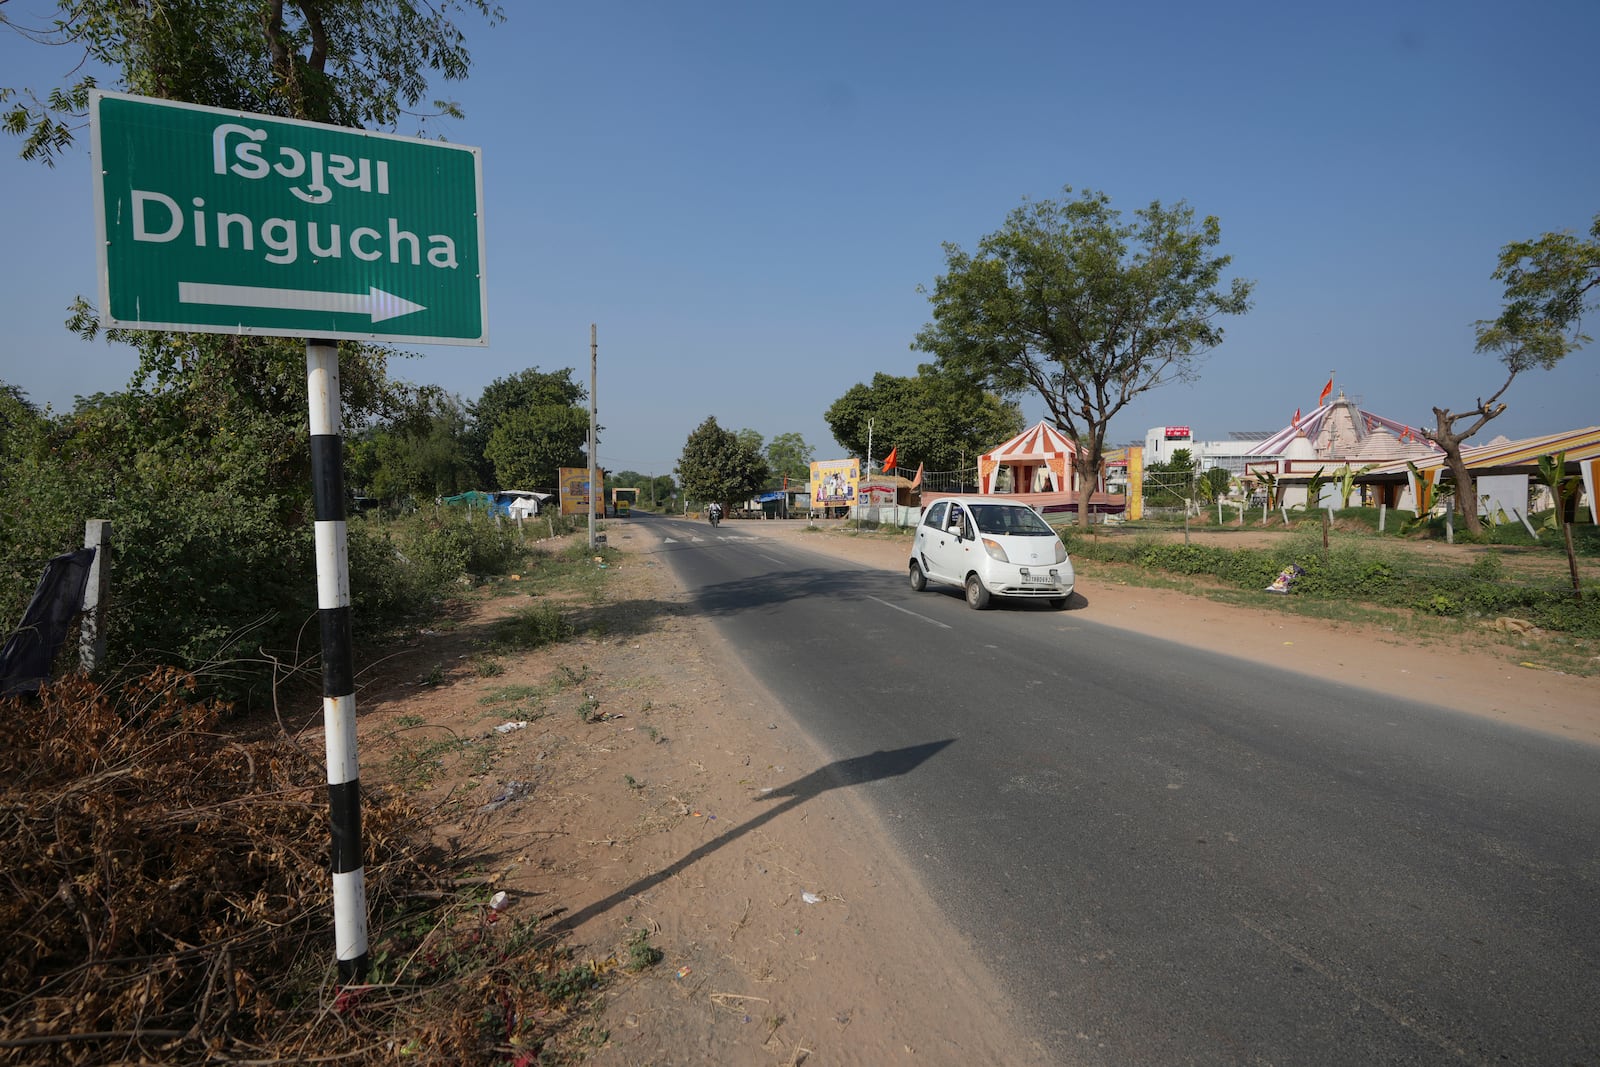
column 995, row 551
column 1061, row 551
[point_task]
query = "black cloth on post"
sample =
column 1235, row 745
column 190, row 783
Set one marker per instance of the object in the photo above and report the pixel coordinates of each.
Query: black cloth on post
column 25, row 660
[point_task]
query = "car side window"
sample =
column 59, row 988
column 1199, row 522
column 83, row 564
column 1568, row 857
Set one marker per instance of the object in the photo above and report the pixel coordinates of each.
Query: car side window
column 957, row 522
column 936, row 515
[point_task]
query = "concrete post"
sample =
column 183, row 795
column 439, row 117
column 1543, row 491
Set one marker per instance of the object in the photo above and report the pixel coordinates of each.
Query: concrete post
column 92, row 631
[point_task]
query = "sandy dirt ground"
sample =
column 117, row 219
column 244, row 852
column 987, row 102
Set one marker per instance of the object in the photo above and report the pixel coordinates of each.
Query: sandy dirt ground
column 657, row 787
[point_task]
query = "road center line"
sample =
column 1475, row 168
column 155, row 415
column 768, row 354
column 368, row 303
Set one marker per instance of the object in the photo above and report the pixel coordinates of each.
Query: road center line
column 913, row 614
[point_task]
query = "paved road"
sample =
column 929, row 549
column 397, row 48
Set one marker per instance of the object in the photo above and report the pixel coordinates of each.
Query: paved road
column 1174, row 857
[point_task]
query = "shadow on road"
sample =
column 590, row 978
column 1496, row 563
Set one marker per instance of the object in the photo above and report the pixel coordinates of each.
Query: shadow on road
column 854, row 771
column 1076, row 601
column 745, row 594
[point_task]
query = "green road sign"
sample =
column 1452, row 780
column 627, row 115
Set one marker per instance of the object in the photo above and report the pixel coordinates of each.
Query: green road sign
column 226, row 222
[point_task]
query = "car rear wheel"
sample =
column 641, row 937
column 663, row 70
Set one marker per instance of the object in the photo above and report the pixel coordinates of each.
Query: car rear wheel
column 977, row 595
column 919, row 581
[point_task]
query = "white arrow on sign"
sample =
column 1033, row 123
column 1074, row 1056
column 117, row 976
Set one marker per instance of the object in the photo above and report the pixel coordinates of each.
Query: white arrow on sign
column 374, row 302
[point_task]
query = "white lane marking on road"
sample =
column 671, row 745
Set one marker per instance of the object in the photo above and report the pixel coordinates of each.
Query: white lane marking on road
column 668, row 541
column 914, row 614
column 774, row 559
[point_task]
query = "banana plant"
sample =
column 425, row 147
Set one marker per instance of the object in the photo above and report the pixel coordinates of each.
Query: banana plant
column 1314, row 489
column 1347, row 482
column 1214, row 483
column 1269, row 486
column 1563, row 488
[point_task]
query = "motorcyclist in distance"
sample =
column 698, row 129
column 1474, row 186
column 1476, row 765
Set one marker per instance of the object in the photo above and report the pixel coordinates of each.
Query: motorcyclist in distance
column 714, row 512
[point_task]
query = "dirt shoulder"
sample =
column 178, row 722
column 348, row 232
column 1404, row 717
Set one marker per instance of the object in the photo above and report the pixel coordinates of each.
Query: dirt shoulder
column 657, row 787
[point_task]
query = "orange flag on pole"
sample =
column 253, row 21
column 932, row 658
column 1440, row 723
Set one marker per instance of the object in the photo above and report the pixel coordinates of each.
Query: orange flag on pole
column 1326, row 389
column 888, row 461
column 918, row 479
column 1297, row 418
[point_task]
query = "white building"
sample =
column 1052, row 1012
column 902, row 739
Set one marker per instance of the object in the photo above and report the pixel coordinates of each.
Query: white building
column 1160, row 442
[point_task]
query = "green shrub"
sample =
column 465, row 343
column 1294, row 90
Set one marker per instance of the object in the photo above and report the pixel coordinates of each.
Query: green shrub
column 1487, row 567
column 1360, row 571
column 447, row 545
column 531, row 627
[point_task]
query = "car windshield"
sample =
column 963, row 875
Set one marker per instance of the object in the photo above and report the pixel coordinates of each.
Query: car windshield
column 1010, row 520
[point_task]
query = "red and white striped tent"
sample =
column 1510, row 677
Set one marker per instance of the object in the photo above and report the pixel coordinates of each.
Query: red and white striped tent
column 1037, row 460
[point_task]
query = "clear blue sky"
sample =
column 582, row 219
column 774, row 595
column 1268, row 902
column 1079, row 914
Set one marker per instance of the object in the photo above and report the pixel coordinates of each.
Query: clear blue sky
column 746, row 197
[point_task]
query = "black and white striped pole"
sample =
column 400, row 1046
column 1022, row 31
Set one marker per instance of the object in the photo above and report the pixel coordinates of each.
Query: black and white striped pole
column 338, row 663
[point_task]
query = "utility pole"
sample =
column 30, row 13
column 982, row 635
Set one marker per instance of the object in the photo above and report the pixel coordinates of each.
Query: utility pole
column 595, row 493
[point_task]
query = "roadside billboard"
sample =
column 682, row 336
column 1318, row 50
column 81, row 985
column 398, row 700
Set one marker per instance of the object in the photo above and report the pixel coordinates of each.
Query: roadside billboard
column 835, row 482
column 574, row 488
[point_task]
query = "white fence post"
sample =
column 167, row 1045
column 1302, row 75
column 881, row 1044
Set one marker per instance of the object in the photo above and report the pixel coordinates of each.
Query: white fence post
column 92, row 630
column 1525, row 523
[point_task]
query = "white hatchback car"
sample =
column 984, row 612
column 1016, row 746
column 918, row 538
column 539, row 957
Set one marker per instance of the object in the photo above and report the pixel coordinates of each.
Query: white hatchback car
column 990, row 548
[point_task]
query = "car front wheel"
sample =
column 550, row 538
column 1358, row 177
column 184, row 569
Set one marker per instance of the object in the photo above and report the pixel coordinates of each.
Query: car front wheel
column 919, row 581
column 977, row 595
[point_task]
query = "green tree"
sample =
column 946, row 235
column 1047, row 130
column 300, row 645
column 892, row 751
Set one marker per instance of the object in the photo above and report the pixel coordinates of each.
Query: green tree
column 1550, row 282
column 529, row 445
column 530, row 391
column 940, row 421
column 751, row 441
column 420, row 451
column 1170, row 484
column 788, row 456
column 1068, row 301
column 1214, row 484
column 360, row 63
column 203, row 463
column 716, row 466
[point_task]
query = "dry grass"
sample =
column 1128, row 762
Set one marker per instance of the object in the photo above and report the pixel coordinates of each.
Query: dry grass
column 167, row 900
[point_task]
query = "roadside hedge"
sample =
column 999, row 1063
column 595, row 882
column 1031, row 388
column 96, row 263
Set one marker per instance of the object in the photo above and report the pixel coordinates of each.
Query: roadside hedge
column 1369, row 574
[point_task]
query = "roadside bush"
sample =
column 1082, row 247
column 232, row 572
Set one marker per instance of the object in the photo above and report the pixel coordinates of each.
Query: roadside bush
column 1347, row 571
column 1362, row 572
column 529, row 628
column 1181, row 559
column 444, row 545
column 386, row 586
column 1248, row 568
